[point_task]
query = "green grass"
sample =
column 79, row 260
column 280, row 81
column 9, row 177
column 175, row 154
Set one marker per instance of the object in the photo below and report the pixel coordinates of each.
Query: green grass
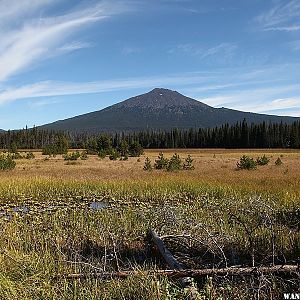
column 61, row 235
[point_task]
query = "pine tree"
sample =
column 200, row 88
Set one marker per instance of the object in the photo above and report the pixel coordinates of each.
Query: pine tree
column 124, row 148
column 188, row 164
column 175, row 163
column 147, row 166
column 161, row 162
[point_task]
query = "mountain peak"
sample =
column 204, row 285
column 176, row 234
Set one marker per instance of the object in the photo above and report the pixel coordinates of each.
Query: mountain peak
column 160, row 98
column 162, row 91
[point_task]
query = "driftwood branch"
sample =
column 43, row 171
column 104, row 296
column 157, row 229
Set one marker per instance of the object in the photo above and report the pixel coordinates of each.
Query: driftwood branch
column 251, row 271
column 163, row 250
column 185, row 281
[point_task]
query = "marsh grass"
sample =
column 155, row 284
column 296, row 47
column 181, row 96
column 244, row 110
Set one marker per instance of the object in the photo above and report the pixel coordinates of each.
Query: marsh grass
column 73, row 238
column 215, row 223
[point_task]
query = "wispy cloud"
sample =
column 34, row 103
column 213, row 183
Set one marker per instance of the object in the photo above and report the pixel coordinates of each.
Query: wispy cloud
column 224, row 50
column 44, row 102
column 284, row 16
column 259, row 100
column 233, row 85
column 131, row 50
column 75, row 46
column 251, row 90
column 290, row 28
column 52, row 88
column 15, row 9
column 217, row 101
column 255, row 90
column 37, row 39
column 284, row 106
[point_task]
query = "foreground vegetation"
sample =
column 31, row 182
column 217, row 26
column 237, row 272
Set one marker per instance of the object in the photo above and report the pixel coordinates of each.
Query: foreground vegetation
column 51, row 227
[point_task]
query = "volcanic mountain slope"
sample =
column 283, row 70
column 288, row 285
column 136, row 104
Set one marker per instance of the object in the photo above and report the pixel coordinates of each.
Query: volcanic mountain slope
column 159, row 109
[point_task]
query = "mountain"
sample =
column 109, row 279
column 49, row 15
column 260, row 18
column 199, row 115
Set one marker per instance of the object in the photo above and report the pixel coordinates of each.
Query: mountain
column 159, row 109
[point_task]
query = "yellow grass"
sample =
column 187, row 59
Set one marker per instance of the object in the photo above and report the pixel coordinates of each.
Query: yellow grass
column 212, row 166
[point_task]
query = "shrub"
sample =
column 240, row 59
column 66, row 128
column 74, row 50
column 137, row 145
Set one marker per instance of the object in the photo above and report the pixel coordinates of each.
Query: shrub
column 246, row 163
column 92, row 152
column 83, row 155
column 114, row 155
column 175, row 163
column 278, row 162
column 102, row 154
column 49, row 150
column 72, row 156
column 123, row 148
column 147, row 166
column 161, row 162
column 188, row 164
column 262, row 161
column 13, row 148
column 125, row 157
column 6, row 162
column 135, row 149
column 30, row 155
column 16, row 155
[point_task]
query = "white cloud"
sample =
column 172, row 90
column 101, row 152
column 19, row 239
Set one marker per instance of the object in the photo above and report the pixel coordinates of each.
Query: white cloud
column 217, row 100
column 131, row 50
column 248, row 90
column 282, row 106
column 290, row 28
column 12, row 10
column 52, row 88
column 222, row 49
column 225, row 49
column 259, row 100
column 284, row 16
column 287, row 102
column 74, row 46
column 44, row 102
column 38, row 39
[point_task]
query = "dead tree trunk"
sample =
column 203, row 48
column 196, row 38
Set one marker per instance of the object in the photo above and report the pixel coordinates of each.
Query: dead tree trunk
column 250, row 271
column 185, row 281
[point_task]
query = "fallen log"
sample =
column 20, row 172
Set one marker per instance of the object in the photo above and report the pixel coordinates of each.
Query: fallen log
column 249, row 271
column 185, row 281
column 164, row 251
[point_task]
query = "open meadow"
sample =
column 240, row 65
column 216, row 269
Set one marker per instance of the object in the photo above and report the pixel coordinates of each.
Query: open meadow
column 80, row 217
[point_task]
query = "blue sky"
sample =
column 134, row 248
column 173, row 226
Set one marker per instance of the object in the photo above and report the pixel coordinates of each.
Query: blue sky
column 61, row 58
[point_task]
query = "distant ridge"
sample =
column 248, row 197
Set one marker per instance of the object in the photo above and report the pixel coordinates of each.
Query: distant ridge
column 159, row 109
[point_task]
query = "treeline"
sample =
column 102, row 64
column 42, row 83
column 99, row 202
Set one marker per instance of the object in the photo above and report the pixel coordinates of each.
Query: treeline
column 240, row 135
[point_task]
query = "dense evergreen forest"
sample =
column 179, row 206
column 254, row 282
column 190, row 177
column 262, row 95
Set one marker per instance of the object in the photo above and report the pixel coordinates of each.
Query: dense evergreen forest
column 240, row 135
